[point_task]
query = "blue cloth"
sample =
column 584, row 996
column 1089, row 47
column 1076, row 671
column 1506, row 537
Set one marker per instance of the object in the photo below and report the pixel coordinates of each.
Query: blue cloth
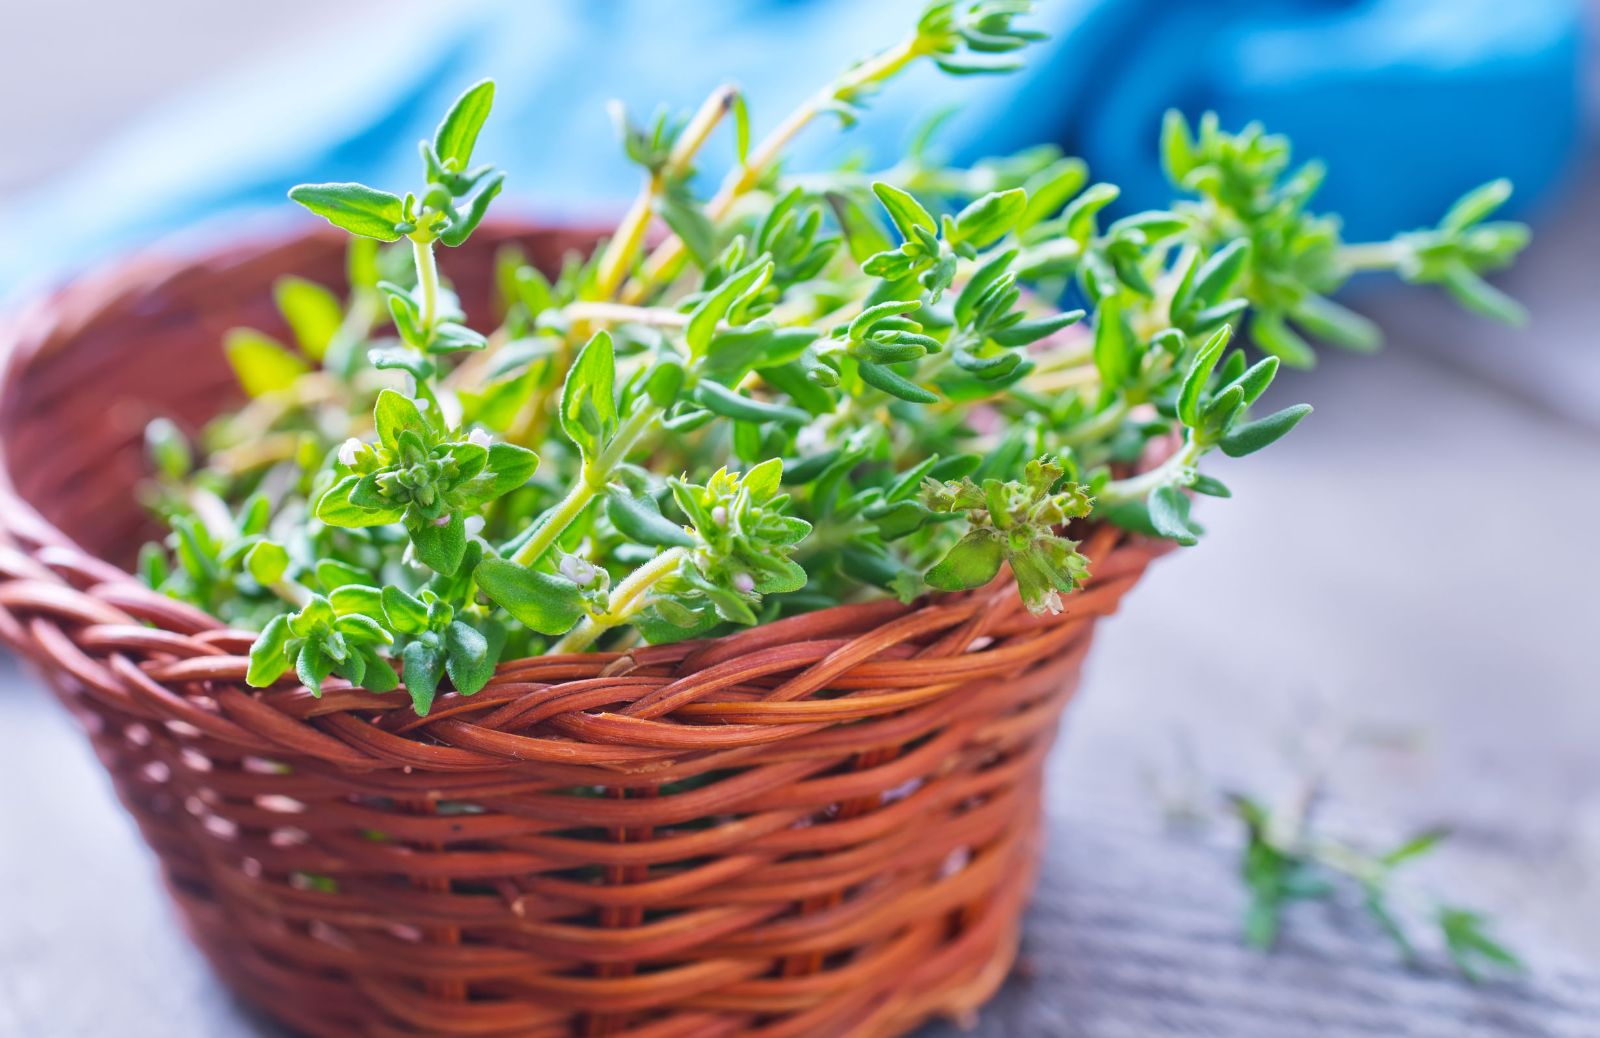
column 1409, row 101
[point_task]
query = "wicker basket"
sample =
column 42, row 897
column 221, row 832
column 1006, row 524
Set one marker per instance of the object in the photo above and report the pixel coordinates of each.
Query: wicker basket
column 852, row 856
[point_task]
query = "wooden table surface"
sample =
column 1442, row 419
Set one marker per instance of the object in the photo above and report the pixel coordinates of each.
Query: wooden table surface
column 1420, row 555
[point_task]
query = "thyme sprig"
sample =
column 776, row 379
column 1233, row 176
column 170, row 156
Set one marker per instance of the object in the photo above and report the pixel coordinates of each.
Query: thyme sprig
column 1283, row 862
column 820, row 386
column 1289, row 854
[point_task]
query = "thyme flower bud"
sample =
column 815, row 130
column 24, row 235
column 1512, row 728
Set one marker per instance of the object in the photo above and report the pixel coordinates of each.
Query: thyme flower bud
column 579, row 570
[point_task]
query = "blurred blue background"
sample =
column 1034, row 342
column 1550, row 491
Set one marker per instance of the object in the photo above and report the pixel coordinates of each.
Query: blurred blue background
column 1409, row 101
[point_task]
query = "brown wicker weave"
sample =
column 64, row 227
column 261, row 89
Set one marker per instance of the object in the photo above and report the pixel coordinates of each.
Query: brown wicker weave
column 853, row 858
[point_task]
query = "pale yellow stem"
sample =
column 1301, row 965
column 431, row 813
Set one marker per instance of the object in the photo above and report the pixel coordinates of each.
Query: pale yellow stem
column 1063, row 379
column 601, row 314
column 668, row 257
column 626, row 601
column 630, row 234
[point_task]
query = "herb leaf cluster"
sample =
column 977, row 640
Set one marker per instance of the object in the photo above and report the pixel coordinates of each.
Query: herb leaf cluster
column 817, row 387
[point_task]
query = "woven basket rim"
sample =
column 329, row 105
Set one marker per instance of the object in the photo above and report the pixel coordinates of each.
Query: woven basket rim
column 53, row 575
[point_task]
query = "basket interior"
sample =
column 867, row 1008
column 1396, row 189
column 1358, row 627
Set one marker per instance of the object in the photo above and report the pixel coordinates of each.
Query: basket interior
column 111, row 352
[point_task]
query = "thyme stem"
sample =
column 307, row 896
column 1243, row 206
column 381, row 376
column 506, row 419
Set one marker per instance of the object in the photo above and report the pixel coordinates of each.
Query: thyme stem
column 1098, row 427
column 624, row 244
column 630, row 234
column 1135, row 488
column 603, row 313
column 428, row 282
column 591, row 482
column 667, row 259
column 627, row 600
column 1383, row 255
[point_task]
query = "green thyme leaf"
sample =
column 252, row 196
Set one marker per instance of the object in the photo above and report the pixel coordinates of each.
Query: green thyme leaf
column 267, row 562
column 895, row 384
column 715, row 307
column 588, row 398
column 1199, row 375
column 687, row 219
column 168, row 448
column 1113, row 345
column 904, row 210
column 545, row 603
column 262, row 364
column 267, row 660
column 314, row 314
column 719, row 399
column 1177, row 147
column 1169, row 515
column 353, row 207
column 972, row 562
column 1415, row 847
column 467, row 659
column 991, row 217
column 1252, row 436
column 1476, row 205
column 440, row 545
column 403, row 611
column 1326, row 319
column 640, row 520
column 458, row 132
column 1217, row 275
column 376, row 673
column 1477, row 295
column 395, row 414
column 466, row 222
column 423, row 667
column 1274, row 336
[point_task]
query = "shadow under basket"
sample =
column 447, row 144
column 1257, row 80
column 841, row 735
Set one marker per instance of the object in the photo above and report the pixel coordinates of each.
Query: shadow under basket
column 823, row 826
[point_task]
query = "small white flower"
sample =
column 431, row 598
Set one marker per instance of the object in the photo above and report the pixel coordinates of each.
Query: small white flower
column 719, row 515
column 443, row 520
column 350, row 450
column 1052, row 602
column 744, row 583
column 580, row 571
column 474, row 525
column 480, row 438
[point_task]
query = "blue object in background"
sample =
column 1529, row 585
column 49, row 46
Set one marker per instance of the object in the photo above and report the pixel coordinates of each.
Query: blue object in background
column 1410, row 102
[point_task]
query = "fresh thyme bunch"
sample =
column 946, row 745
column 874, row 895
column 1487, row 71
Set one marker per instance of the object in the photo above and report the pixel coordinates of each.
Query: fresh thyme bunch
column 817, row 388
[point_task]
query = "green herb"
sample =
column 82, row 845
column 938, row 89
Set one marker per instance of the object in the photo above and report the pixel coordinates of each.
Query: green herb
column 1285, row 861
column 1288, row 855
column 818, row 387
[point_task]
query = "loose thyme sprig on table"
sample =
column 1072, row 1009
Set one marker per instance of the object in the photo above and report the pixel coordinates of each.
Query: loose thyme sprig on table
column 1286, row 859
column 818, row 388
column 1289, row 854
